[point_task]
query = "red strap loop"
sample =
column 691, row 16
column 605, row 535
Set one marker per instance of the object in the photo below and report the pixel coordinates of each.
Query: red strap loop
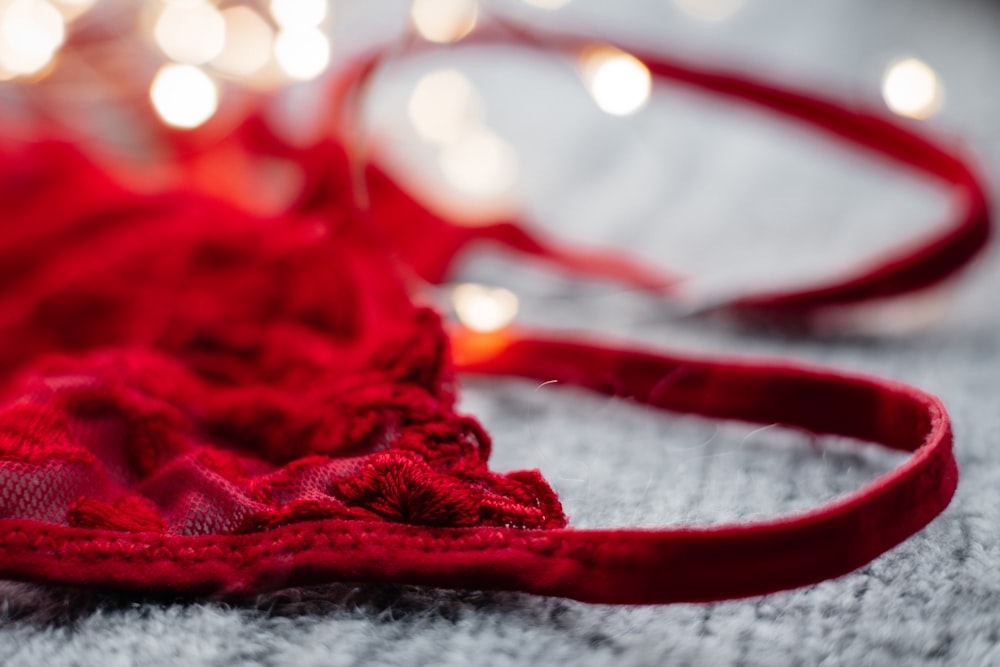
column 914, row 266
column 688, row 564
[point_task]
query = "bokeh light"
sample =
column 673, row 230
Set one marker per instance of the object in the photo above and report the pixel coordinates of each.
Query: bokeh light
column 298, row 14
column 184, row 96
column 444, row 106
column 911, row 88
column 248, row 45
column 484, row 309
column 190, row 32
column 73, row 8
column 31, row 31
column 480, row 164
column 444, row 20
column 302, row 53
column 618, row 81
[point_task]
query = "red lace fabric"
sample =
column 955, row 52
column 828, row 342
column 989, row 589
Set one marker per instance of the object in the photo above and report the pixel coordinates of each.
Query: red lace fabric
column 183, row 367
column 199, row 399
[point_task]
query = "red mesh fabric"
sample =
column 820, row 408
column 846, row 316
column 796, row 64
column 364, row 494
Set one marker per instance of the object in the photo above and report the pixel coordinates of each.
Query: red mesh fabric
column 174, row 364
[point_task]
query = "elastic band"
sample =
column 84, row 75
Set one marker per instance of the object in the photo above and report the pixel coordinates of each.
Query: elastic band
column 912, row 266
column 746, row 559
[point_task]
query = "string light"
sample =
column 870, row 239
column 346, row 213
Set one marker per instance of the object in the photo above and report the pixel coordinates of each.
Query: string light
column 444, row 21
column 298, row 14
column 484, row 309
column 248, row 45
column 445, row 109
column 302, row 53
column 183, row 95
column 71, row 9
column 619, row 82
column 31, row 31
column 191, row 32
column 444, row 106
column 709, row 10
column 911, row 88
column 480, row 164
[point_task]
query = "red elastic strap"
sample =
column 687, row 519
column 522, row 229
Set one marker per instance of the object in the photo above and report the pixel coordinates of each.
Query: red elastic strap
column 691, row 564
column 732, row 561
column 913, row 266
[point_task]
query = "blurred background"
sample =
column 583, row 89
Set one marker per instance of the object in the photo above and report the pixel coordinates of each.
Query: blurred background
column 580, row 145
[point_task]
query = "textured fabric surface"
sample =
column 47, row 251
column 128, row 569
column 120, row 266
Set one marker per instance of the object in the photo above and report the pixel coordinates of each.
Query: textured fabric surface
column 933, row 600
column 159, row 391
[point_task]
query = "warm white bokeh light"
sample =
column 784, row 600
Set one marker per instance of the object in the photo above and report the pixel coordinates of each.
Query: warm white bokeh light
column 911, row 88
column 302, row 54
column 484, row 309
column 444, row 106
column 72, row 8
column 618, row 81
column 31, row 31
column 480, row 164
column 548, row 4
column 190, row 32
column 444, row 20
column 709, row 10
column 296, row 14
column 249, row 41
column 183, row 95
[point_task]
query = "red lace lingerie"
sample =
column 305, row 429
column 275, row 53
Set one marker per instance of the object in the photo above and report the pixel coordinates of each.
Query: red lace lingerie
column 199, row 399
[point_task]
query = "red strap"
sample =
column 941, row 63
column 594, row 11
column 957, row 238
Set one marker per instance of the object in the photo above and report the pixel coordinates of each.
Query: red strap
column 913, row 266
column 688, row 564
column 643, row 566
